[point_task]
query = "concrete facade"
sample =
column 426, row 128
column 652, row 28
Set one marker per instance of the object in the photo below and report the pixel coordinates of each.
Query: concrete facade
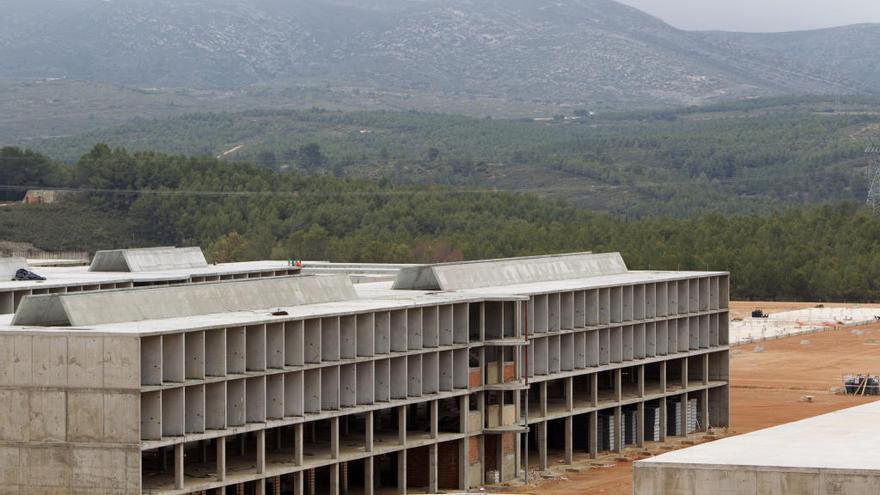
column 357, row 387
column 834, row 453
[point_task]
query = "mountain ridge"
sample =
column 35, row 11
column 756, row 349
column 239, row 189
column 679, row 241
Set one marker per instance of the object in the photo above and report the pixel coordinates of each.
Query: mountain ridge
column 571, row 51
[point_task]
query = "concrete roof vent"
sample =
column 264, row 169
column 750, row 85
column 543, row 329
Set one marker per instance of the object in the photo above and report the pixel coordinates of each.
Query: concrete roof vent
column 148, row 259
column 510, row 271
column 155, row 303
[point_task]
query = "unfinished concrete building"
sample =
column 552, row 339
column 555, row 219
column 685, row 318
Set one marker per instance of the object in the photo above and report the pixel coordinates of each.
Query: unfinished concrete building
column 312, row 384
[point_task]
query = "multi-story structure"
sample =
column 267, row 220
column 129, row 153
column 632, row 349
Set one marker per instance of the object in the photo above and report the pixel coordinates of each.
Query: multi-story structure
column 312, row 384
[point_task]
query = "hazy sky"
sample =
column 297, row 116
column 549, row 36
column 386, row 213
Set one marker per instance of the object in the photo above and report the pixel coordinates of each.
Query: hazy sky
column 760, row 15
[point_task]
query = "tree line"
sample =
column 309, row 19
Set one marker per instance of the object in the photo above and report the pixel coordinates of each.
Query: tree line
column 238, row 211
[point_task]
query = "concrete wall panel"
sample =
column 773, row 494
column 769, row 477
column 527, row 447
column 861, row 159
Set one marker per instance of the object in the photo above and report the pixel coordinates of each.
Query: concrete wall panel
column 121, row 368
column 47, row 416
column 10, row 459
column 85, row 362
column 14, row 422
column 85, row 416
column 50, row 360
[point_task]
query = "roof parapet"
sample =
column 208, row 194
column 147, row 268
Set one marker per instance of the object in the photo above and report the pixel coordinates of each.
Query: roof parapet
column 148, row 259
column 511, row 271
column 155, row 303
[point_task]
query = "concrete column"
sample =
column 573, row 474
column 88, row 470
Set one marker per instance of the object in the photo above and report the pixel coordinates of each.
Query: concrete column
column 435, row 419
column 543, row 398
column 569, row 394
column 641, row 372
column 401, row 471
column 260, row 486
column 594, row 389
column 334, row 437
column 593, row 438
column 618, row 429
column 298, row 441
column 261, row 451
column 662, row 377
column 640, row 425
column 178, row 466
column 220, row 445
column 705, row 370
column 298, row 483
column 569, row 441
column 203, row 451
column 684, row 414
column 368, row 476
column 401, row 425
column 432, row 468
column 464, row 464
column 221, row 490
column 498, row 453
column 343, row 472
column 541, row 438
column 463, row 413
column 334, row 479
column 684, row 373
column 618, row 385
column 704, row 413
column 368, row 435
column 663, row 419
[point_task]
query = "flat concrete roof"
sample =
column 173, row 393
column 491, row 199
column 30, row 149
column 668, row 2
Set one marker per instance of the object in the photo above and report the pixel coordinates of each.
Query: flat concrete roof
column 80, row 275
column 842, row 440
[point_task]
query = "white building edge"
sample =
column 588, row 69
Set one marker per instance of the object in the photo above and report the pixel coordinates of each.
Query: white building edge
column 312, row 384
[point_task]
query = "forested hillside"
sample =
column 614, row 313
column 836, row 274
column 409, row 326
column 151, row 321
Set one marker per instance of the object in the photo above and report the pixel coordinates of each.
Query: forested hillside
column 239, row 211
column 739, row 157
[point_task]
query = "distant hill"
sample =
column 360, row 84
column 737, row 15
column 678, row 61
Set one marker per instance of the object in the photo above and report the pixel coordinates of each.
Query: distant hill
column 745, row 156
column 578, row 52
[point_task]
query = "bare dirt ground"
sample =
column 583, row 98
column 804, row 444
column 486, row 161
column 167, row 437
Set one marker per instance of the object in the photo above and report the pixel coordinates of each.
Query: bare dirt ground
column 766, row 390
column 741, row 309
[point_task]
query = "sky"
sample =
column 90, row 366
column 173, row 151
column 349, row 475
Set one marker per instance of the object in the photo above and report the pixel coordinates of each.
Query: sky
column 760, row 15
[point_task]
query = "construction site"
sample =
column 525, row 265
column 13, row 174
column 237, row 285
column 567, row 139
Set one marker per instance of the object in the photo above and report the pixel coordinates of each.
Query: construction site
column 152, row 371
column 773, row 382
